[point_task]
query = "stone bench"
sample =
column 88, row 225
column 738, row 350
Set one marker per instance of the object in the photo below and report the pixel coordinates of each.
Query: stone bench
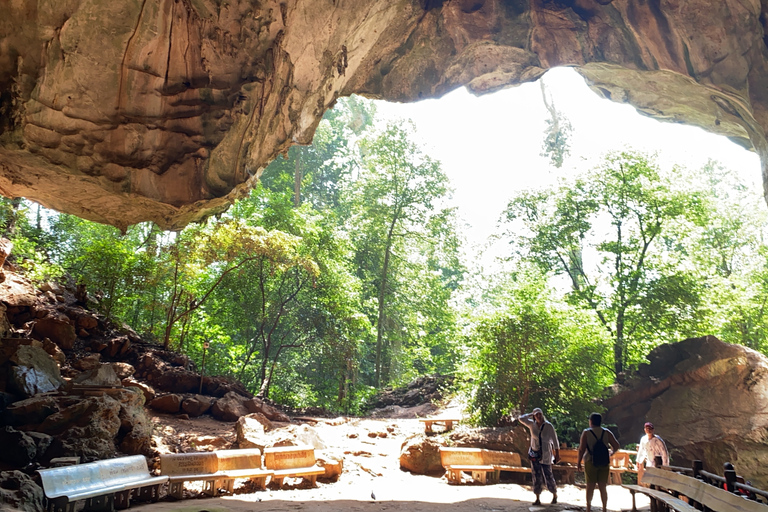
column 244, row 463
column 217, row 470
column 104, row 484
column 190, row 467
column 459, row 460
column 292, row 462
column 445, row 421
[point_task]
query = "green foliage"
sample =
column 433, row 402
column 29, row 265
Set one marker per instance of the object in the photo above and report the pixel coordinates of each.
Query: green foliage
column 609, row 233
column 533, row 352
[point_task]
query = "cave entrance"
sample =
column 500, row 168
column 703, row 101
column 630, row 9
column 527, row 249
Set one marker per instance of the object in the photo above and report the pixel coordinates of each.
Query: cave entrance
column 491, row 146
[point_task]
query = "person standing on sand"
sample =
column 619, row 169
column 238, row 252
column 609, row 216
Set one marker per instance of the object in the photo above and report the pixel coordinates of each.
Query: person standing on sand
column 544, row 450
column 649, row 448
column 593, row 441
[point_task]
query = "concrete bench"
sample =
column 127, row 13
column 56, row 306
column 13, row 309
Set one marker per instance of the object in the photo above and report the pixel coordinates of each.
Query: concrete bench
column 292, row 462
column 104, row 484
column 459, row 460
column 244, row 463
column 445, row 421
column 190, row 467
column 709, row 497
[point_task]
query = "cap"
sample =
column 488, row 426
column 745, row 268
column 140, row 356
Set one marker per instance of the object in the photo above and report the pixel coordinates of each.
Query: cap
column 647, row 425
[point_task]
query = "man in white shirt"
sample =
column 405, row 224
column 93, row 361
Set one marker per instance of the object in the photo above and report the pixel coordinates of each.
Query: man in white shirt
column 545, row 446
column 650, row 447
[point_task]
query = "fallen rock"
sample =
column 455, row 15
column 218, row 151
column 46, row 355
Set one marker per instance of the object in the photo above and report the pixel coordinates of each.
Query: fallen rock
column 170, row 403
column 57, row 327
column 102, row 375
column 31, row 410
column 20, row 491
column 34, row 372
column 87, row 363
column 257, row 405
column 123, row 370
column 147, row 390
column 196, row 405
column 19, row 449
column 250, row 430
column 230, row 407
column 420, row 454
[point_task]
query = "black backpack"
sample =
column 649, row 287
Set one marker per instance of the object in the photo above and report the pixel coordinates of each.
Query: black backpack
column 600, row 455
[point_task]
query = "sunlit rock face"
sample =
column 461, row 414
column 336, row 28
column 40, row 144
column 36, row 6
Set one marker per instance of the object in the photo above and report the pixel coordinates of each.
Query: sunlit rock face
column 707, row 399
column 167, row 110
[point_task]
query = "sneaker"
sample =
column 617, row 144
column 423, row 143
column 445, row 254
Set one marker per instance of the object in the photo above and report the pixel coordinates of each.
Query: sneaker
column 554, row 499
column 537, row 502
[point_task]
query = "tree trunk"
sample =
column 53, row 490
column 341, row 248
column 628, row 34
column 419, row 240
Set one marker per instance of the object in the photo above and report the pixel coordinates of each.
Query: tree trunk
column 297, row 180
column 382, row 291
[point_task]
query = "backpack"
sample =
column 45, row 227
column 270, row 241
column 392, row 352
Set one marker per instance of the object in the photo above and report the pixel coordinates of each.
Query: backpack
column 600, row 455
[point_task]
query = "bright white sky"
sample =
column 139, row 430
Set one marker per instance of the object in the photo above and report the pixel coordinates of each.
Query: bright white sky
column 490, row 145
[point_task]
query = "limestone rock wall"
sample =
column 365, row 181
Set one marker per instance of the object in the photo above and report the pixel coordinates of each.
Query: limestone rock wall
column 707, row 399
column 167, row 110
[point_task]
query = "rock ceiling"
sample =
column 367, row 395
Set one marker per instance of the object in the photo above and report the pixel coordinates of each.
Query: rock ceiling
column 168, row 110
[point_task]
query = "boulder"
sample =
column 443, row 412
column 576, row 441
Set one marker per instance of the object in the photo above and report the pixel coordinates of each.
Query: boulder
column 31, row 410
column 196, row 405
column 102, row 375
column 35, row 371
column 506, row 439
column 420, row 454
column 170, row 403
column 229, row 407
column 123, row 370
column 135, row 434
column 19, row 449
column 250, row 430
column 707, row 399
column 177, row 380
column 146, row 389
column 20, row 492
column 56, row 353
column 58, row 328
column 258, row 405
column 85, row 427
column 87, row 363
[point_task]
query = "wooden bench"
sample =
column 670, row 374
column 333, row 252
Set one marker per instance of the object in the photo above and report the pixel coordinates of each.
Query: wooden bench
column 104, row 484
column 190, row 467
column 445, row 421
column 244, row 463
column 458, row 460
column 620, row 463
column 696, row 492
column 292, row 462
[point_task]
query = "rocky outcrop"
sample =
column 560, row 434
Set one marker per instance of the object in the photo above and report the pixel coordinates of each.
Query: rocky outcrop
column 167, row 111
column 707, row 399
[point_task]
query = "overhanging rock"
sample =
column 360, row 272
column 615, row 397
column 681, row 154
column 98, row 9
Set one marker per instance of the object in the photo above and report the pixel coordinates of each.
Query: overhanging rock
column 168, row 110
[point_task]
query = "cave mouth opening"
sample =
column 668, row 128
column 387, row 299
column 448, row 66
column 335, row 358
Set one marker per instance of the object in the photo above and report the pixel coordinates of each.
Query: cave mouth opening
column 492, row 145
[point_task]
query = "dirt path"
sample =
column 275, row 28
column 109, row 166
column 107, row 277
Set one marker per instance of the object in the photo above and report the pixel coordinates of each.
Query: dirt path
column 371, row 466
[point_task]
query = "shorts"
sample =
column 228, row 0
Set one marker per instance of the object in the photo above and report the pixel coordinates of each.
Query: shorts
column 594, row 474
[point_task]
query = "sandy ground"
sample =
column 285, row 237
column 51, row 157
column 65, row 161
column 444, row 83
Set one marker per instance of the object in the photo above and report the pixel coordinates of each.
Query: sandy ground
column 372, row 479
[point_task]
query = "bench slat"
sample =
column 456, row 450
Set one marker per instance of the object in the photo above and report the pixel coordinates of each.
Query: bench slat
column 669, row 500
column 710, row 496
